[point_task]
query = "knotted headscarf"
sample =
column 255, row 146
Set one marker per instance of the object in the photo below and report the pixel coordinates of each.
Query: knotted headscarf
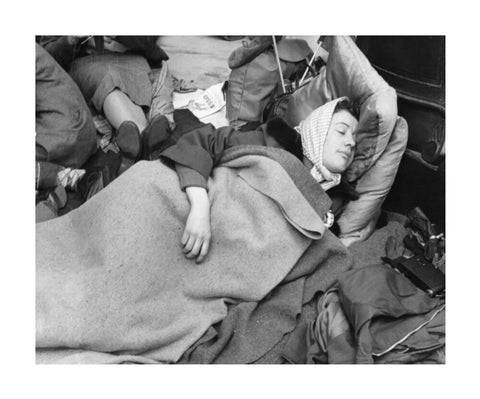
column 313, row 130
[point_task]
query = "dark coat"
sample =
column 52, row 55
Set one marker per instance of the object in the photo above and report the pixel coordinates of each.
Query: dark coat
column 196, row 153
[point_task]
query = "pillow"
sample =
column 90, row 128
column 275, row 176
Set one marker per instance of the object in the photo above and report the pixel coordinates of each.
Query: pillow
column 349, row 73
column 358, row 219
column 378, row 151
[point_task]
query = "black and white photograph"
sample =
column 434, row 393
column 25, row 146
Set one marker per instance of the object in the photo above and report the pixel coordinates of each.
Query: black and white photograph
column 253, row 211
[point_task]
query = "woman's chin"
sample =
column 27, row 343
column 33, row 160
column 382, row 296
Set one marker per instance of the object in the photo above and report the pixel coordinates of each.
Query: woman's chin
column 339, row 167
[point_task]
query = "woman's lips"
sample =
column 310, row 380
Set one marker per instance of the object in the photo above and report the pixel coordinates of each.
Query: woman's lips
column 346, row 154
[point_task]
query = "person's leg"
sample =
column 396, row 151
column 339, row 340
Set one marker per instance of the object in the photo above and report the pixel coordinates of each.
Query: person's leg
column 162, row 96
column 117, row 85
column 118, row 108
column 129, row 121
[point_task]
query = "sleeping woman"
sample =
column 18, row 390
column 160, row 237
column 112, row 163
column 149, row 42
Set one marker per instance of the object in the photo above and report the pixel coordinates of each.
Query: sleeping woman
column 324, row 141
column 114, row 278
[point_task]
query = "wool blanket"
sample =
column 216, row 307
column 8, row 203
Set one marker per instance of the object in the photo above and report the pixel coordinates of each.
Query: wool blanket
column 112, row 284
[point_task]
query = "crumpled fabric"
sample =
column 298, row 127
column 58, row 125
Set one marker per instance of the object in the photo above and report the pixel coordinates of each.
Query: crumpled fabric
column 69, row 177
column 105, row 134
column 183, row 86
column 372, row 315
column 162, row 95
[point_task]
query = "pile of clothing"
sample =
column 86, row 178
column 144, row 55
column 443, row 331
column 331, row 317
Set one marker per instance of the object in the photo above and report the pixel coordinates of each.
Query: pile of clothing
column 372, row 315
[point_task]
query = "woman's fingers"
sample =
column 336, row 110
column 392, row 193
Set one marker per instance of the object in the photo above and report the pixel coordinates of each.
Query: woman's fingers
column 195, row 250
column 185, row 237
column 194, row 245
column 189, row 244
column 204, row 251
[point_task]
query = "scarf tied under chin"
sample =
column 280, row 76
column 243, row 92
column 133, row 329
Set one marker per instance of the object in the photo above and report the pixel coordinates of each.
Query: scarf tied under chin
column 313, row 130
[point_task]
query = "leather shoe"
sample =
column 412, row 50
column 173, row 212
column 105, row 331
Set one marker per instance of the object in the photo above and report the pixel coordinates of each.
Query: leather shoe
column 129, row 141
column 155, row 135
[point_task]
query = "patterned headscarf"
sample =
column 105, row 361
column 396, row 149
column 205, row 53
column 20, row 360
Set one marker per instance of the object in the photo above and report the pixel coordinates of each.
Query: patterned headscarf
column 313, row 130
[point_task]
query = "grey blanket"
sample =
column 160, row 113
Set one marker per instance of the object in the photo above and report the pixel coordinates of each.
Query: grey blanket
column 112, row 284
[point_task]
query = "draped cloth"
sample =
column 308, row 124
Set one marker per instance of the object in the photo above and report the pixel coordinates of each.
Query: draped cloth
column 113, row 286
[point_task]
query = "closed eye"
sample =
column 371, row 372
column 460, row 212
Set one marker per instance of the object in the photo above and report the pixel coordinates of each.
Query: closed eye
column 342, row 127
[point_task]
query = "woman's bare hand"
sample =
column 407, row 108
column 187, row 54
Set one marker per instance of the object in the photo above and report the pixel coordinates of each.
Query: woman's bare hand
column 197, row 235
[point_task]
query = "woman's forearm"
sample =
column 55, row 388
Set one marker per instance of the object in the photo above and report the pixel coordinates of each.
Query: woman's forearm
column 197, row 234
column 198, row 197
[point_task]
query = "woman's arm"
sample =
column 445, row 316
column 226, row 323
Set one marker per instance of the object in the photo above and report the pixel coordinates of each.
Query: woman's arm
column 195, row 154
column 197, row 234
column 200, row 150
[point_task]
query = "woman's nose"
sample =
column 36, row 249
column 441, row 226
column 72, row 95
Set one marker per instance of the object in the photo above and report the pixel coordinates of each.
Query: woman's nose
column 349, row 139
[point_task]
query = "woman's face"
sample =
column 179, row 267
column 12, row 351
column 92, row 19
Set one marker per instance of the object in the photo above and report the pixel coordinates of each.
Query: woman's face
column 339, row 146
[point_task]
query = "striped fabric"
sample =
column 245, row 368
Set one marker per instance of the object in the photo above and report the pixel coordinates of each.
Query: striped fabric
column 314, row 129
column 69, row 177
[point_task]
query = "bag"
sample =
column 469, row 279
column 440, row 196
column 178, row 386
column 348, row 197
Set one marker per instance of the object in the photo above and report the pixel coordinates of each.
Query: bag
column 426, row 266
column 281, row 105
column 255, row 80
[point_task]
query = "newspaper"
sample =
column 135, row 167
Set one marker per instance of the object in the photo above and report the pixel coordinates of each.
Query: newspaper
column 202, row 103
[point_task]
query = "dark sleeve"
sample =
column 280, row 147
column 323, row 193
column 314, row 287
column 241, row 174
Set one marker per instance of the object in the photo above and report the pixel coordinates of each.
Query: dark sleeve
column 189, row 177
column 59, row 48
column 196, row 153
column 199, row 150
